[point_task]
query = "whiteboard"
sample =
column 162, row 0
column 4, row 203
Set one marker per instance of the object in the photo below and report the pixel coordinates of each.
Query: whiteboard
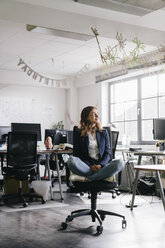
column 16, row 110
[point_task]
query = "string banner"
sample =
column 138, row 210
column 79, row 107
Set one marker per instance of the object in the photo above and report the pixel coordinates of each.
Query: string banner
column 36, row 76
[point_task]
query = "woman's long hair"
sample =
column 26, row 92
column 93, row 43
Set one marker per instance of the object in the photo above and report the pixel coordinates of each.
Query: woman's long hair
column 85, row 124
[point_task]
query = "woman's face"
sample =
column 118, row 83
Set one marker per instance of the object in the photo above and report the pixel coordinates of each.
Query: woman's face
column 93, row 116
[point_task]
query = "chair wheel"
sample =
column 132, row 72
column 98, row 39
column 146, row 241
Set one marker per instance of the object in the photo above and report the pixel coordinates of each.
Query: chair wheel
column 124, row 224
column 64, row 225
column 43, row 202
column 25, row 204
column 99, row 229
column 118, row 192
column 113, row 196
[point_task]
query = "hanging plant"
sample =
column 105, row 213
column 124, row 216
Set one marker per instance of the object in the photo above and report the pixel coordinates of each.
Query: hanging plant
column 114, row 55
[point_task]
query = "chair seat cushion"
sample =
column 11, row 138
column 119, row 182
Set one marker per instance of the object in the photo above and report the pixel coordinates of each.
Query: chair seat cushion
column 95, row 186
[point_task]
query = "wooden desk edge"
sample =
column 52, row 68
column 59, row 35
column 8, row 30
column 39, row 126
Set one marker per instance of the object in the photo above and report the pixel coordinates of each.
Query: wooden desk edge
column 151, row 167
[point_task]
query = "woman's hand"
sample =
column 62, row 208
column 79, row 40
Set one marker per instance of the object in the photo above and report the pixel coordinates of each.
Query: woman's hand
column 95, row 167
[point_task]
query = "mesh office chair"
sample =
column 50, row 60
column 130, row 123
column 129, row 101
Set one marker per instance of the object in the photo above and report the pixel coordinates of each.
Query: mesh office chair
column 113, row 136
column 21, row 162
column 93, row 188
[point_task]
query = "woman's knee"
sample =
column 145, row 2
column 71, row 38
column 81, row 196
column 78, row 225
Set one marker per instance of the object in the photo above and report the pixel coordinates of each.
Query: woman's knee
column 119, row 163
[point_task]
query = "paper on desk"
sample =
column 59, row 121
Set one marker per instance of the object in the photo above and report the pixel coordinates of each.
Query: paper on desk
column 62, row 146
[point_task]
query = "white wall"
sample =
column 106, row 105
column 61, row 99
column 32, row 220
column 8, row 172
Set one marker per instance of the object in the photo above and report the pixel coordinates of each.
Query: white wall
column 43, row 104
column 89, row 95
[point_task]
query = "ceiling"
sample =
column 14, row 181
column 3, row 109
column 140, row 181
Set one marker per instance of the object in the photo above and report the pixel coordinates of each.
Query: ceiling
column 63, row 55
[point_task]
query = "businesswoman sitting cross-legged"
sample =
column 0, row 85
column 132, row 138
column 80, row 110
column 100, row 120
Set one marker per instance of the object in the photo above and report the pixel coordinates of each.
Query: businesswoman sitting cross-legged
column 91, row 150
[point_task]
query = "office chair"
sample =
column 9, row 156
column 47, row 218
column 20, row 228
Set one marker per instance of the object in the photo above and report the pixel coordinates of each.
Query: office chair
column 21, row 163
column 94, row 188
column 113, row 137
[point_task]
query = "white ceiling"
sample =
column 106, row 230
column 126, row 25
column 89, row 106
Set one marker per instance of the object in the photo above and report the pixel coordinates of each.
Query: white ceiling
column 59, row 57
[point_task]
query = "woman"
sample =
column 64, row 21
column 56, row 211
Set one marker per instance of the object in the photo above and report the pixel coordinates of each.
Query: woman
column 91, row 150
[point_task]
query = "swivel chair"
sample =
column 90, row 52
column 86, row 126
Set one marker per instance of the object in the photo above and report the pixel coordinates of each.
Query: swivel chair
column 21, row 163
column 94, row 188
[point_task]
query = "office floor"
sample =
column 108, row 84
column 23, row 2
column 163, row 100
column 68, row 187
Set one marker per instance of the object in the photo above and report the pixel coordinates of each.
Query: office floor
column 40, row 228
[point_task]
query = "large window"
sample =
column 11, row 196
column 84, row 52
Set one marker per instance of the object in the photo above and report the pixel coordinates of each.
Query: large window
column 134, row 102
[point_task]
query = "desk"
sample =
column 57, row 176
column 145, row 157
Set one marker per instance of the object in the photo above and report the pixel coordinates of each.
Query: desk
column 46, row 152
column 153, row 167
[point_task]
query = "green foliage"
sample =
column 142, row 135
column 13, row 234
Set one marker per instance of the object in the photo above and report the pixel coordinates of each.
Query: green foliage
column 116, row 54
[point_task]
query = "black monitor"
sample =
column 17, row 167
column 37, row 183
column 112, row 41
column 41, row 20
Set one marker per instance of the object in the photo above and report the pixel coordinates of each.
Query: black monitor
column 58, row 136
column 27, row 127
column 159, row 128
column 51, row 133
column 61, row 137
column 4, row 133
column 70, row 137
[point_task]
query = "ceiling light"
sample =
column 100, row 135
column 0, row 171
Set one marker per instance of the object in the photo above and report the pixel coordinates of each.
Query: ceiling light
column 134, row 7
column 146, row 4
column 59, row 33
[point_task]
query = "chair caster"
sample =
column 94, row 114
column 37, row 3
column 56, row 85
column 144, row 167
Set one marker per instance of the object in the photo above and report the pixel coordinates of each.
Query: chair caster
column 25, row 204
column 114, row 196
column 99, row 229
column 118, row 192
column 124, row 224
column 43, row 202
column 64, row 225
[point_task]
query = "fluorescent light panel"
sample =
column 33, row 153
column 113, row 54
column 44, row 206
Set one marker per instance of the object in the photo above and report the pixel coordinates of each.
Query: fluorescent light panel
column 59, row 33
column 134, row 7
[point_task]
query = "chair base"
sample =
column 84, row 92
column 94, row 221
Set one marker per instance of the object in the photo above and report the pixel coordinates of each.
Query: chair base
column 21, row 197
column 94, row 188
column 95, row 215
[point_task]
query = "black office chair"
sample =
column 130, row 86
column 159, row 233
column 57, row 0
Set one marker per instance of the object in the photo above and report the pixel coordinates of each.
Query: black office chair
column 113, row 136
column 21, row 163
column 94, row 188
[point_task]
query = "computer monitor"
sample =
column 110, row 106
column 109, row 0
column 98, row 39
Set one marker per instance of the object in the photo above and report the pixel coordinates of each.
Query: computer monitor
column 58, row 136
column 159, row 128
column 70, row 137
column 27, row 127
column 51, row 133
column 3, row 133
column 61, row 137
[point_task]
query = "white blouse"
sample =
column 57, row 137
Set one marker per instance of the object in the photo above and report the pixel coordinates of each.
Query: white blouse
column 93, row 146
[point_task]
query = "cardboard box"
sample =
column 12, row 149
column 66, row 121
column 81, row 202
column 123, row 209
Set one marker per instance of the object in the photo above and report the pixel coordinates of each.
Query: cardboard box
column 11, row 185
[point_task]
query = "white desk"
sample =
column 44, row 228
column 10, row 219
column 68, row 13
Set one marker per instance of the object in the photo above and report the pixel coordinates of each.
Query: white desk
column 153, row 167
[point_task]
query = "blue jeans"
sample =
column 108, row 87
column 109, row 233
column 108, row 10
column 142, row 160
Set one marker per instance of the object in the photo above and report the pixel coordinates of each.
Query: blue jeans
column 78, row 167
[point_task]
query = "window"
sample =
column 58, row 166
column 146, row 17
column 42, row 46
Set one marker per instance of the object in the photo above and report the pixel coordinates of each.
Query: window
column 134, row 102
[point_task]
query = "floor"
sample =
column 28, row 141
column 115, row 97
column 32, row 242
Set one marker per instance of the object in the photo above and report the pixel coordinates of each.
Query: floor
column 41, row 228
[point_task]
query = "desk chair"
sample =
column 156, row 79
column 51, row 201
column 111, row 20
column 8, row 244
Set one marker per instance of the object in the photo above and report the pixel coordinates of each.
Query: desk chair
column 113, row 137
column 21, row 162
column 93, row 188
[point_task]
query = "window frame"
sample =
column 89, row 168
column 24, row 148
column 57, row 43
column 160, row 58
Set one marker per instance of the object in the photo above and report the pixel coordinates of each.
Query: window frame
column 139, row 104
